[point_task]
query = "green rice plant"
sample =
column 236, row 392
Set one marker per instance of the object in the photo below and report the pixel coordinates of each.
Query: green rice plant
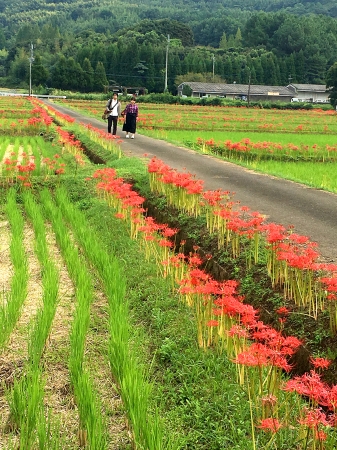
column 135, row 390
column 26, row 397
column 43, row 321
column 10, row 312
column 26, row 403
column 50, row 276
column 91, row 422
column 48, row 433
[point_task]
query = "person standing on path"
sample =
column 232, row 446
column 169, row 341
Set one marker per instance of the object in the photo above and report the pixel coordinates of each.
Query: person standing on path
column 114, row 107
column 131, row 114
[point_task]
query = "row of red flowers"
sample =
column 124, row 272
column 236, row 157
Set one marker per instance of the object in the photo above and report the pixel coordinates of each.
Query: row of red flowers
column 224, row 321
column 292, row 260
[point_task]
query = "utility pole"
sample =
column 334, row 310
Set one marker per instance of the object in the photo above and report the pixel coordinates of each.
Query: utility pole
column 166, row 66
column 213, row 61
column 31, row 60
column 249, row 82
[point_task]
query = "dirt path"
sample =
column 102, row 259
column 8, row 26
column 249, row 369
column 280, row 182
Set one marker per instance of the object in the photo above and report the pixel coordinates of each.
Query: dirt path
column 312, row 212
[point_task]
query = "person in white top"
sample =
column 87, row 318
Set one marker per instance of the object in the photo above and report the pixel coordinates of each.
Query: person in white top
column 114, row 107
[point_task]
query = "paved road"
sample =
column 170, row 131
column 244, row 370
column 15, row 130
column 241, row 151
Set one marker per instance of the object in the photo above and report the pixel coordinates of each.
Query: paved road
column 312, row 212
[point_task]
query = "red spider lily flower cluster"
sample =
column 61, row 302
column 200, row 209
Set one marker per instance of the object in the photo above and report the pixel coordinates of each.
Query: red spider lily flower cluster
column 106, row 140
column 121, row 196
column 181, row 189
column 20, row 167
column 270, row 424
column 39, row 114
column 54, row 166
column 36, row 120
column 71, row 144
column 224, row 321
column 248, row 150
column 61, row 118
column 292, row 260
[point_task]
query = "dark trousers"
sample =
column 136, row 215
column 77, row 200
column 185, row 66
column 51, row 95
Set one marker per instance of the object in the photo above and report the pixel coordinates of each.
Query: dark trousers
column 112, row 122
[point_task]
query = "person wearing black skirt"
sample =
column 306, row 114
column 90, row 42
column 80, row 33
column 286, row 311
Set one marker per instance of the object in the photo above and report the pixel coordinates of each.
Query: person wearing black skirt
column 131, row 114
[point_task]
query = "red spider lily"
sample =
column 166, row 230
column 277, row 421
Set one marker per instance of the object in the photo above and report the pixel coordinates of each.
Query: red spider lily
column 212, row 323
column 320, row 363
column 311, row 386
column 270, row 424
column 165, row 243
column 332, row 401
column 194, row 260
column 283, row 311
column 238, row 331
column 272, row 348
column 313, row 418
column 269, row 400
column 169, row 232
column 256, row 356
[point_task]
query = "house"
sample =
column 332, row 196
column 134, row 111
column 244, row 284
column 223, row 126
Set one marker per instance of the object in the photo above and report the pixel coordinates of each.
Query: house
column 236, row 91
column 314, row 93
column 126, row 90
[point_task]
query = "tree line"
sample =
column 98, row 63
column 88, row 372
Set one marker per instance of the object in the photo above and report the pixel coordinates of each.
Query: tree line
column 268, row 48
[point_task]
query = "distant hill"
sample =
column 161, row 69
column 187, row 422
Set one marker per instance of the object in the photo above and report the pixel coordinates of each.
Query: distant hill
column 86, row 44
column 104, row 16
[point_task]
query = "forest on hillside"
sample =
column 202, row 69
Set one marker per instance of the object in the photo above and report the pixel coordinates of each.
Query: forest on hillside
column 86, row 45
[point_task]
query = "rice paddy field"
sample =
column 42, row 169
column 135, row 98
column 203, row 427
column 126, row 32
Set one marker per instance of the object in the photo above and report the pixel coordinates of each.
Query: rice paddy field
column 114, row 332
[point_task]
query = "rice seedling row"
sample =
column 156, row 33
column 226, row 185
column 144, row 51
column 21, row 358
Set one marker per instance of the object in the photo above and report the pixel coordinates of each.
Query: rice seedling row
column 28, row 420
column 135, row 390
column 91, row 426
column 10, row 310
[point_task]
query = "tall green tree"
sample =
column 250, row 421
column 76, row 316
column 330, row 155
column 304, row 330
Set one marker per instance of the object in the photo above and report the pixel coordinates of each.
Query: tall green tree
column 223, row 42
column 259, row 74
column 39, row 72
column 88, row 75
column 100, row 79
column 58, row 73
column 238, row 38
column 270, row 69
column 174, row 69
column 236, row 70
column 331, row 84
column 159, row 63
column 228, row 70
column 2, row 39
column 27, row 33
column 146, row 54
column 19, row 70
